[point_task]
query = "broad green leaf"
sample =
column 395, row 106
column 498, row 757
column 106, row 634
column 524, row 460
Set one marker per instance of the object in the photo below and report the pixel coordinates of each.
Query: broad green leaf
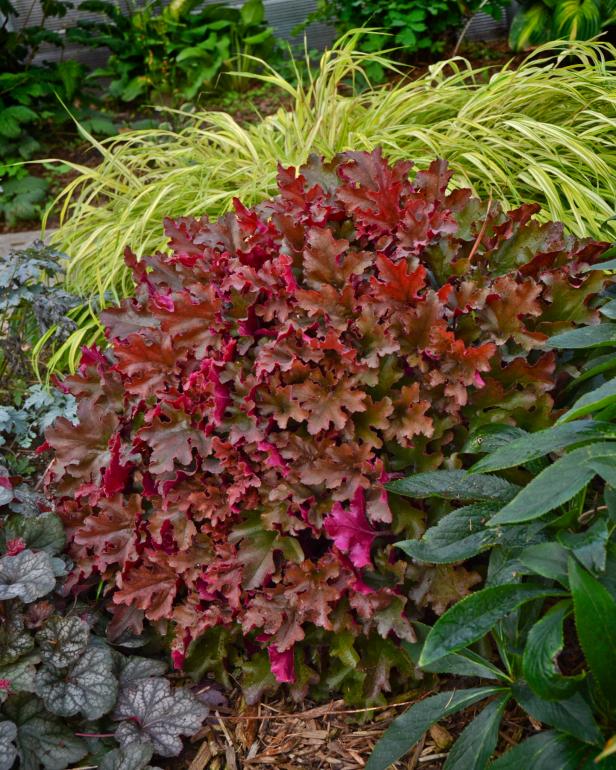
column 595, row 621
column 591, row 402
column 548, row 750
column 407, row 729
column 478, row 740
column 454, row 485
column 546, row 559
column 584, row 337
column 463, row 663
column 457, row 536
column 489, row 438
column 536, row 445
column 20, row 674
column 40, row 533
column 589, row 546
column 543, row 645
column 555, row 485
column 609, row 309
column 472, row 617
column 572, row 715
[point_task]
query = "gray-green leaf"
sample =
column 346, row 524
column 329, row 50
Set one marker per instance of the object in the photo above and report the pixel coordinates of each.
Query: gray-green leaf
column 158, row 715
column 133, row 756
column 88, row 687
column 8, row 750
column 62, row 640
column 27, row 576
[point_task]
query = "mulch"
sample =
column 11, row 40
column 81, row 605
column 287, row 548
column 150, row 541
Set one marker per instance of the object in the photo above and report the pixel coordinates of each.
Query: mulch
column 286, row 736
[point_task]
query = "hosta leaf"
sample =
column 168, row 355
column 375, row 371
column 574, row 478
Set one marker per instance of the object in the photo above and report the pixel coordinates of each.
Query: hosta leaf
column 454, row 485
column 27, row 576
column 572, row 715
column 133, row 756
column 88, row 687
column 478, row 740
column 591, row 402
column 548, row 750
column 457, row 536
column 475, row 615
column 584, row 337
column 595, row 621
column 158, row 715
column 44, row 532
column 407, row 729
column 62, row 640
column 8, row 750
column 555, row 485
column 536, row 445
column 544, row 642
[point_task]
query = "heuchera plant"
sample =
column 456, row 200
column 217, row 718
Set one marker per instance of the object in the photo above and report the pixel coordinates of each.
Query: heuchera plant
column 275, row 369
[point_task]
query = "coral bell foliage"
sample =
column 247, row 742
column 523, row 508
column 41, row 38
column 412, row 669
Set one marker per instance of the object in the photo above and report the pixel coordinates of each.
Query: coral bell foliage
column 275, row 369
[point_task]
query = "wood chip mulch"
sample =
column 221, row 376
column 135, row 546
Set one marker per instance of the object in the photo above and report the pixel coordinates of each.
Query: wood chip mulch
column 329, row 737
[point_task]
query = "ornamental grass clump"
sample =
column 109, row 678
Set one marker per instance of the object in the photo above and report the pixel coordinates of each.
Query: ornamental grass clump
column 274, row 370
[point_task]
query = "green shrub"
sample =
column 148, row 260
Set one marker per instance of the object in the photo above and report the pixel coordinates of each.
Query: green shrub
column 410, row 26
column 175, row 51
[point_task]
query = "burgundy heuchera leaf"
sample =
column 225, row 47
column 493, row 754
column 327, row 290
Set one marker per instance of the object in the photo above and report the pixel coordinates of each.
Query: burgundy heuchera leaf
column 274, row 368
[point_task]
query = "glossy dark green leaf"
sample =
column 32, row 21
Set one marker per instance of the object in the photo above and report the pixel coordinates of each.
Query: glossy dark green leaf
column 589, row 546
column 554, row 486
column 572, row 715
column 407, row 729
column 478, row 740
column 544, row 643
column 40, row 533
column 584, row 337
column 543, row 442
column 463, row 663
column 489, row 438
column 595, row 621
column 454, row 485
column 472, row 617
column 549, row 560
column 593, row 401
column 548, row 750
column 457, row 536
